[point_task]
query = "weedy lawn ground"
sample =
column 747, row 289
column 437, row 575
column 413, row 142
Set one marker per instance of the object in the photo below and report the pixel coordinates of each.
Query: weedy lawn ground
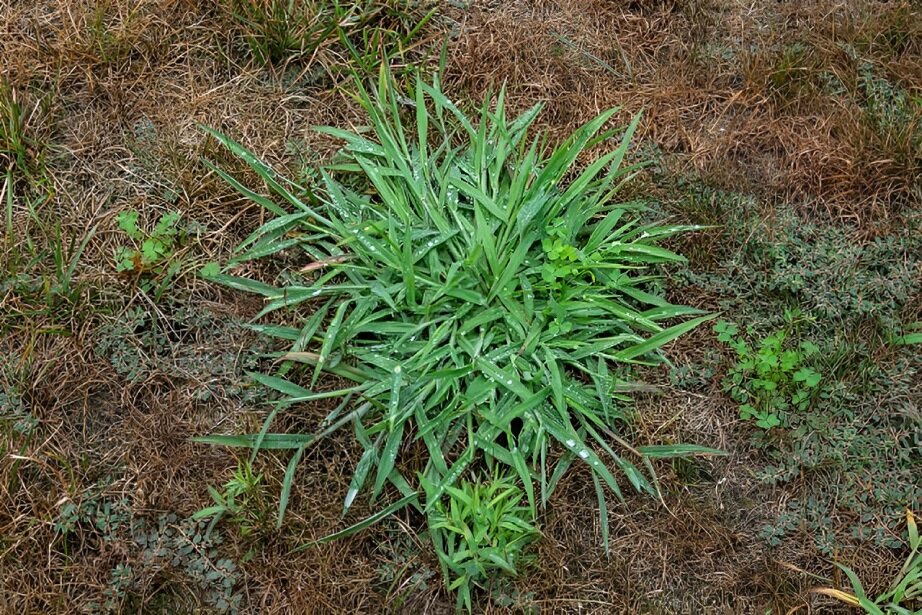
column 795, row 129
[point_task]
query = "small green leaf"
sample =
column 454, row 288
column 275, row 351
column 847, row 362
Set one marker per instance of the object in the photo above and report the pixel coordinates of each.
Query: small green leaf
column 128, row 222
column 209, row 270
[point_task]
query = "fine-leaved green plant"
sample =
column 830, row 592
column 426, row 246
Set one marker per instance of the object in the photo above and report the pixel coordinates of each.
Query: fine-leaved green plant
column 239, row 500
column 481, row 533
column 276, row 31
column 474, row 290
column 772, row 379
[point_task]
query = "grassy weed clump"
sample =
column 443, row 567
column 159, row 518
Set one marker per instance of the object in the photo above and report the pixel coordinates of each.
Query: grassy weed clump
column 474, row 300
column 240, row 500
column 23, row 140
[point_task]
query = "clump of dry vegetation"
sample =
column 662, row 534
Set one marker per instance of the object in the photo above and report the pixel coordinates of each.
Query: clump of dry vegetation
column 795, row 127
column 817, row 102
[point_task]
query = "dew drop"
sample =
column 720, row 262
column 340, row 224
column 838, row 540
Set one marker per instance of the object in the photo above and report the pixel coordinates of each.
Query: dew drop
column 584, row 454
column 397, row 370
column 570, row 443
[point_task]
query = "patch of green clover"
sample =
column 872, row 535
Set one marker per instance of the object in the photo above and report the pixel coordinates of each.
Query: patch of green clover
column 771, row 377
column 121, row 579
column 810, row 514
column 105, row 516
column 561, row 255
column 888, row 107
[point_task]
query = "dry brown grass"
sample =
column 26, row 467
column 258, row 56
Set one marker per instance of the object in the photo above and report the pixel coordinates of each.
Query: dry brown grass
column 127, row 82
column 731, row 91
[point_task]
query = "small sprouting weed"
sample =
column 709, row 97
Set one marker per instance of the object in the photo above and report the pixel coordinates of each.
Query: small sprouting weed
column 151, row 255
column 772, row 379
column 240, row 501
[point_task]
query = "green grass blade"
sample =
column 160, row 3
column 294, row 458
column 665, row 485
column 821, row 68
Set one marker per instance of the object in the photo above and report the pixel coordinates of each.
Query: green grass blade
column 287, row 483
column 603, row 512
column 656, row 341
column 271, row 441
column 664, row 451
column 365, row 523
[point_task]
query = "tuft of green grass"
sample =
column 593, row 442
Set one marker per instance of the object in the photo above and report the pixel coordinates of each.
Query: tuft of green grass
column 22, row 151
column 31, row 289
column 481, row 534
column 279, row 31
column 475, row 301
column 240, row 500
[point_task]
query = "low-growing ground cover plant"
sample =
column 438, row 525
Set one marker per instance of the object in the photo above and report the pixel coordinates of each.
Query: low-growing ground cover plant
column 475, row 291
column 855, row 447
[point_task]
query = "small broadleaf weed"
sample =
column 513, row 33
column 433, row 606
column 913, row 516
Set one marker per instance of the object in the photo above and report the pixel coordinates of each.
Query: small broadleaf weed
column 773, row 378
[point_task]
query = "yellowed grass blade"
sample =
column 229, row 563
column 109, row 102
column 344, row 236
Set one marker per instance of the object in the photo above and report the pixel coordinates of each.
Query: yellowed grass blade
column 840, row 595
